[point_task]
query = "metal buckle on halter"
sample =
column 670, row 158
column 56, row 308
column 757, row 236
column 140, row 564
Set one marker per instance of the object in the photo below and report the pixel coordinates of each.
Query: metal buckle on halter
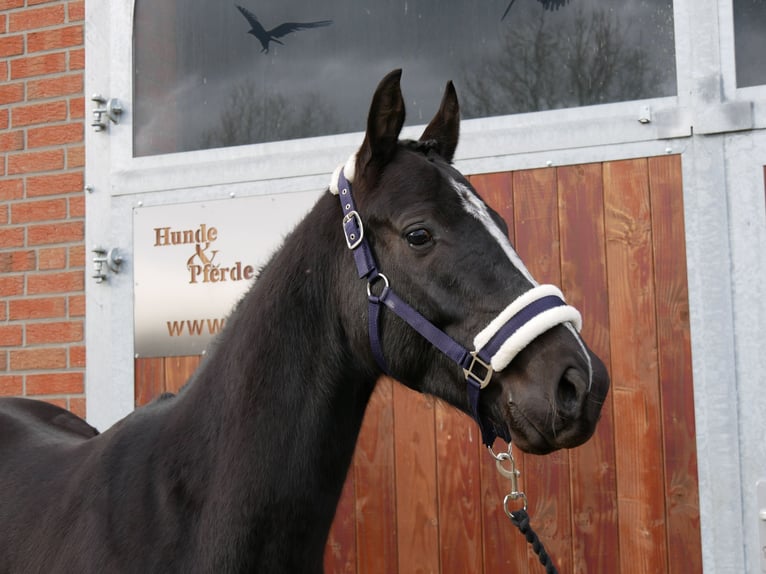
column 353, row 236
column 481, row 379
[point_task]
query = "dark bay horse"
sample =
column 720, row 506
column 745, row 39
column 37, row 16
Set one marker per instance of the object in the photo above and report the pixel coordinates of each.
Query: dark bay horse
column 243, row 469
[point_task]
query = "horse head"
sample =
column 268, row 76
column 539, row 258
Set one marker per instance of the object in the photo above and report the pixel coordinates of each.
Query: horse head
column 447, row 254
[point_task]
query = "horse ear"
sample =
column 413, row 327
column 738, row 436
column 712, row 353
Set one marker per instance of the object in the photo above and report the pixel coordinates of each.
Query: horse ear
column 384, row 122
column 445, row 126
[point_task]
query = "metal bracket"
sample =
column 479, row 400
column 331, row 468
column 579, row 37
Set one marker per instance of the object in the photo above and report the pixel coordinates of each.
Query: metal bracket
column 110, row 108
column 111, row 258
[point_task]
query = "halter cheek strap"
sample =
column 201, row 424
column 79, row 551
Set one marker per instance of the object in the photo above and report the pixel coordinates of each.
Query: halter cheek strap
column 527, row 317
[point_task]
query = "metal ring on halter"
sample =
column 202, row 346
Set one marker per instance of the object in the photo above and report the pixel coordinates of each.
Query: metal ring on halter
column 385, row 286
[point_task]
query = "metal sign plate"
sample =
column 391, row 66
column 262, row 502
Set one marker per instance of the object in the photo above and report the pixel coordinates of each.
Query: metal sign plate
column 194, row 261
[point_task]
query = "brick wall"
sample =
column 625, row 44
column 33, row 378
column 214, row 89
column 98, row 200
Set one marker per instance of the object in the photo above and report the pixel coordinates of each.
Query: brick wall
column 42, row 208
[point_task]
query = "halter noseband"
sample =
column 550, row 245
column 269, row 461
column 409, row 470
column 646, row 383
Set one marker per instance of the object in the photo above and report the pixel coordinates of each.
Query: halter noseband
column 527, row 317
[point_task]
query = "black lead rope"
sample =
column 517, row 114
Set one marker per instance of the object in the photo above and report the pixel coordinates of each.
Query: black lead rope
column 520, row 519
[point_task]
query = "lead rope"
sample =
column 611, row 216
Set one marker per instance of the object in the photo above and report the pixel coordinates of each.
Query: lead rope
column 519, row 518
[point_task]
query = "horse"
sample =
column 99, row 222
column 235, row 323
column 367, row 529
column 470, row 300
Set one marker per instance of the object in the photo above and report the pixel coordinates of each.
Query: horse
column 241, row 471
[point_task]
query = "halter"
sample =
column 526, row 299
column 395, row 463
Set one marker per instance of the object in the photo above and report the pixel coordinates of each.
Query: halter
column 527, row 317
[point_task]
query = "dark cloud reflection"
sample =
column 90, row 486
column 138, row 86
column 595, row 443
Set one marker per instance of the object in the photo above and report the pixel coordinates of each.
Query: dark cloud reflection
column 201, row 80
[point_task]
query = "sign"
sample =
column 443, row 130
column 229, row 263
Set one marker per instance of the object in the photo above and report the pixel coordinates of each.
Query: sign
column 193, row 262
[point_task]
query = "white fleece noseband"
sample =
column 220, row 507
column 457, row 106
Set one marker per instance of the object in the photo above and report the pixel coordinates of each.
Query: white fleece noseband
column 527, row 332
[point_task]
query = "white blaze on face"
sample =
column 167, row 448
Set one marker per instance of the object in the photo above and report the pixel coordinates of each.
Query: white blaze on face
column 473, row 205
column 477, row 209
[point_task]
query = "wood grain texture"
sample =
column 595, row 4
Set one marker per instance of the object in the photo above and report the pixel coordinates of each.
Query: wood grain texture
column 178, row 370
column 638, row 428
column 458, row 476
column 595, row 540
column 535, row 203
column 340, row 550
column 149, row 379
column 376, row 485
column 675, row 365
column 417, row 510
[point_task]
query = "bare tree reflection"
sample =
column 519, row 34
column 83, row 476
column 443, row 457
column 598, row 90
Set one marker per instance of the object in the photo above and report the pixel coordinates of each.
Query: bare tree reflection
column 588, row 61
column 253, row 116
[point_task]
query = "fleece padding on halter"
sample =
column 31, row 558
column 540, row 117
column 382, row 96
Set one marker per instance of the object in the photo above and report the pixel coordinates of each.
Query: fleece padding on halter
column 529, row 316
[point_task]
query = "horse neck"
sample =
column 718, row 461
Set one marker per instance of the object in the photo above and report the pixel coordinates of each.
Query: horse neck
column 279, row 402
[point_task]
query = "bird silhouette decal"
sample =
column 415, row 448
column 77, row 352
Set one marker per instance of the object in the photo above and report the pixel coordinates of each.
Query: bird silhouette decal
column 547, row 4
column 265, row 36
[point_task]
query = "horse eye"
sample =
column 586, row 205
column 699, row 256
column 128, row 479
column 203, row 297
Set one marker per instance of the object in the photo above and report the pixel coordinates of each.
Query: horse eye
column 419, row 237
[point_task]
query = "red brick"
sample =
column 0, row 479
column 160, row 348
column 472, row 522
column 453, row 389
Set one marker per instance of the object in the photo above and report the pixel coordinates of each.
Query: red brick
column 54, row 87
column 60, row 332
column 41, row 210
column 3, row 362
column 11, row 141
column 77, row 406
column 8, row 4
column 55, row 135
column 40, row 358
column 77, row 356
column 3, row 214
column 55, row 39
column 11, row 93
column 76, row 11
column 11, row 237
column 17, row 261
column 11, row 45
column 3, row 21
column 55, row 383
column 3, row 310
column 54, row 63
column 77, row 256
column 77, row 59
column 77, row 306
column 54, row 184
column 36, row 18
column 63, row 282
column 77, row 108
column 44, row 113
column 11, row 385
column 4, row 115
column 11, row 335
column 11, row 285
column 36, row 308
column 31, row 162
column 52, row 258
column 11, row 189
column 65, row 232
column 77, row 206
column 75, row 156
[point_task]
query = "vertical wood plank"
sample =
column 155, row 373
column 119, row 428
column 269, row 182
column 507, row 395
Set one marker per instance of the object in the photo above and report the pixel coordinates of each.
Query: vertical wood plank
column 149, row 379
column 675, row 368
column 416, row 496
column 459, row 477
column 504, row 549
column 638, row 428
column 178, row 370
column 340, row 550
column 375, row 485
column 535, row 202
column 595, row 541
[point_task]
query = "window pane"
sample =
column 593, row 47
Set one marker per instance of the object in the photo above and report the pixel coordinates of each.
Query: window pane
column 202, row 80
column 750, row 41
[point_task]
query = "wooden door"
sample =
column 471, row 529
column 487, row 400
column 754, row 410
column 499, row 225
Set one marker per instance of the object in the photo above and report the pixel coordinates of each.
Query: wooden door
column 422, row 494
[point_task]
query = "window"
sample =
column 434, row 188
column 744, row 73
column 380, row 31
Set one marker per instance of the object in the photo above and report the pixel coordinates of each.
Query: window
column 750, row 41
column 202, row 81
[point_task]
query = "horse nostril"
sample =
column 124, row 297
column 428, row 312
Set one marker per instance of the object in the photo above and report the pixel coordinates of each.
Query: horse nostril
column 568, row 393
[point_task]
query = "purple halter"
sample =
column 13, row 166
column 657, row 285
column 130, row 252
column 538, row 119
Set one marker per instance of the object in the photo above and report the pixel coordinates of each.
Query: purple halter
column 528, row 316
